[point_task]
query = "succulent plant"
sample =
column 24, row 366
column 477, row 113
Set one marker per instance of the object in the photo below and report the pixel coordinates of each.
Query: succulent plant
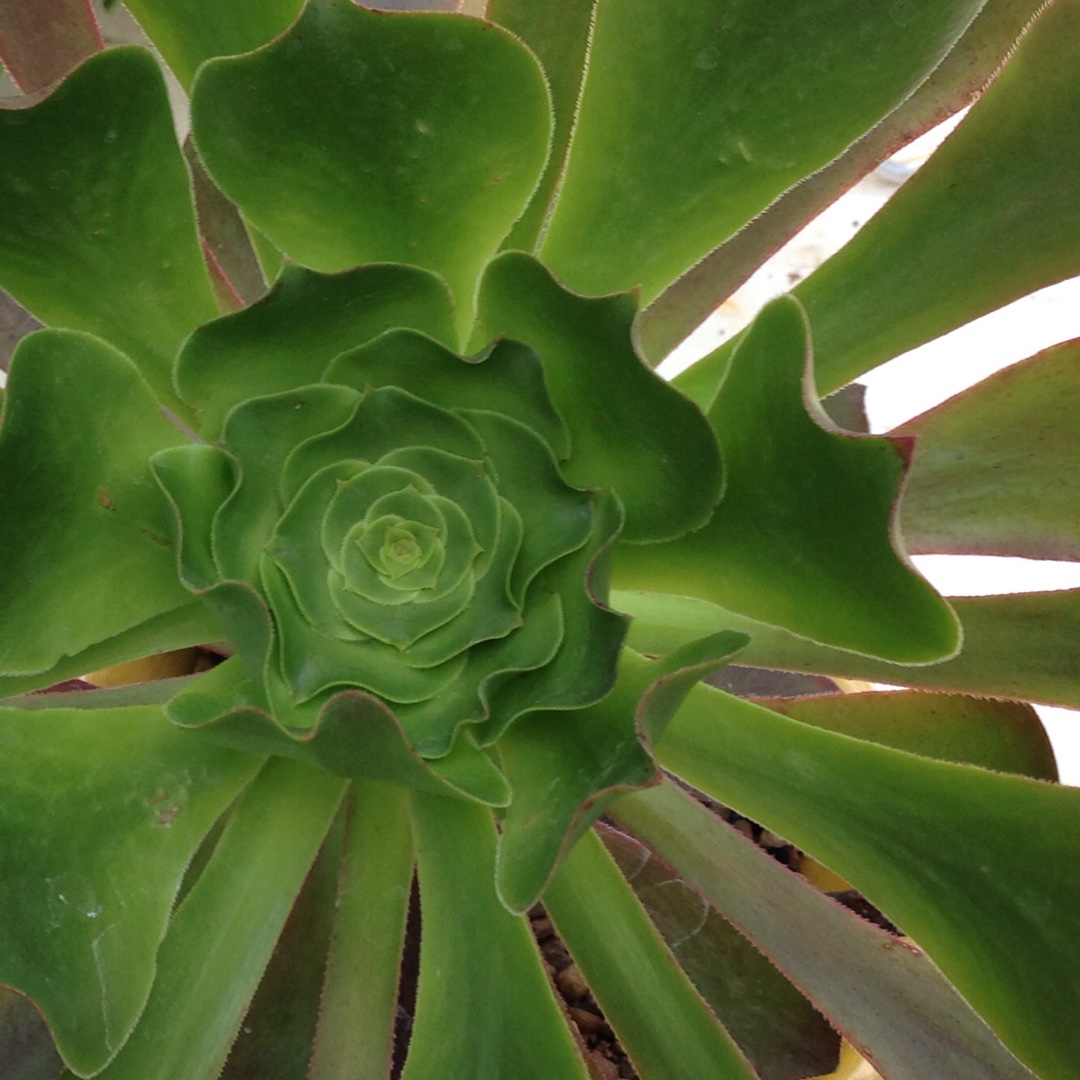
column 351, row 390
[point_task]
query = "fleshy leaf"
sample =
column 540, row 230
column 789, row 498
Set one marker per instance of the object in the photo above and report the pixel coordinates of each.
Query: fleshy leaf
column 353, row 735
column 885, row 995
column 990, row 218
column 1022, row 645
column 565, row 768
column 128, row 799
column 643, row 199
column 79, row 250
column 669, row 1031
column 976, row 866
column 631, row 432
column 287, row 339
column 558, row 33
column 509, row 380
column 187, row 32
column 961, row 76
column 357, row 1015
column 101, row 561
column 1005, row 736
column 482, row 993
column 466, row 132
column 41, row 42
column 781, row 1033
column 997, row 469
column 221, row 938
column 804, row 536
column 276, row 1036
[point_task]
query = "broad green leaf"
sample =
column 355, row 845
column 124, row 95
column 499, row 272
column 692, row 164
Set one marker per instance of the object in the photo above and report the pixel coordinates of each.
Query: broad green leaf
column 288, row 338
column 804, row 537
column 645, row 197
column 187, row 32
column 357, row 1015
column 508, row 379
column 565, row 768
column 85, row 902
column 191, row 624
column 1024, row 645
column 275, row 1039
column 352, row 734
column 558, row 33
column 976, row 866
column 883, row 994
column 41, row 42
column 484, row 1007
column 631, row 432
column 467, row 132
column 997, row 469
column 960, row 77
column 220, row 940
column 1005, row 736
column 990, row 218
column 84, row 536
column 663, row 1024
column 96, row 214
column 782, row 1035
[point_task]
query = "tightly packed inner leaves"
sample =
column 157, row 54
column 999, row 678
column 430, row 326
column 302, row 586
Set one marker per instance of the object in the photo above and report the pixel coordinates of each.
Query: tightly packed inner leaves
column 350, row 390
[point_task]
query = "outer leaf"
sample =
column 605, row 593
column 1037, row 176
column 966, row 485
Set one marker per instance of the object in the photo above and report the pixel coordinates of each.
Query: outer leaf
column 643, row 198
column 565, row 769
column 287, row 339
column 221, row 938
column 40, row 43
column 782, row 1035
column 79, row 250
column 976, row 866
column 558, row 33
column 483, row 995
column 669, row 1032
column 963, row 73
column 467, row 132
column 1005, row 736
column 85, row 903
column 98, row 523
column 275, row 1039
column 353, row 735
column 632, row 432
column 192, row 624
column 356, row 1020
column 187, row 32
column 997, row 469
column 1017, row 646
column 989, row 219
column 509, row 380
column 804, row 537
column 884, row 994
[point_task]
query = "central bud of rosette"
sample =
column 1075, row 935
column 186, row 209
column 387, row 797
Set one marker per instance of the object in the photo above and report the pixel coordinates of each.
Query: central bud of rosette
column 401, row 529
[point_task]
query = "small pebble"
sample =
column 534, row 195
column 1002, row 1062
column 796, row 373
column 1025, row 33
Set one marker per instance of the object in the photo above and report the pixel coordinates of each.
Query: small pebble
column 745, row 827
column 588, row 1022
column 543, row 929
column 603, row 1067
column 571, row 983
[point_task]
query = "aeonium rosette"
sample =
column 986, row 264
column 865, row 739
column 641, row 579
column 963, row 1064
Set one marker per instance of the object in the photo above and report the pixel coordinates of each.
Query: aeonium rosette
column 408, row 548
column 413, row 540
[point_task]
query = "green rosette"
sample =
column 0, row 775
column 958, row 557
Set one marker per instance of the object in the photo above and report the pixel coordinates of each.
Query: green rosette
column 360, row 537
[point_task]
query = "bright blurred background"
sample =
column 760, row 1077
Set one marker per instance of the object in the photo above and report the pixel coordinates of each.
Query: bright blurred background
column 910, row 384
